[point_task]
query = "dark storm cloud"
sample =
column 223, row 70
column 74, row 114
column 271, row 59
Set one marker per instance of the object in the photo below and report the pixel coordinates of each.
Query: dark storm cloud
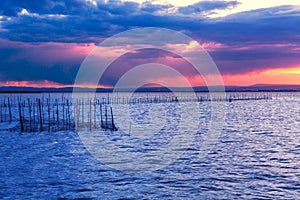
column 76, row 20
column 207, row 6
column 88, row 23
column 258, row 26
column 143, row 56
column 153, row 8
column 258, row 58
column 21, row 61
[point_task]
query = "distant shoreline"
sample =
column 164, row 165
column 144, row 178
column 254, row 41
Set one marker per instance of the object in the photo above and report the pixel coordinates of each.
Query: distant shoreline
column 140, row 91
column 252, row 88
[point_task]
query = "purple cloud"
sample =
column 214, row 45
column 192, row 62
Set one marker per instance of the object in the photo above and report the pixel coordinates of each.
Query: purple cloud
column 46, row 42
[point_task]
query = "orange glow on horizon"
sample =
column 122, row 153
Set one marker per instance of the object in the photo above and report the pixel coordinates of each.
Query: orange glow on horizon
column 283, row 76
column 47, row 84
column 286, row 70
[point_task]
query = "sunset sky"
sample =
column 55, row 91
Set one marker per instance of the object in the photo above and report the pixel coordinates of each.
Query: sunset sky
column 44, row 42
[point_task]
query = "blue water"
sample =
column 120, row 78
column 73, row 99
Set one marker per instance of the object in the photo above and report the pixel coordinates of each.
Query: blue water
column 257, row 157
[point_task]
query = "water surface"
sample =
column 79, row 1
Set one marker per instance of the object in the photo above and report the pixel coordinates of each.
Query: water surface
column 257, row 156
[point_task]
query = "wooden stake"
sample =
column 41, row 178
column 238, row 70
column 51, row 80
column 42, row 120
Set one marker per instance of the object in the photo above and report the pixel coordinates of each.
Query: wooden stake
column 21, row 117
column 9, row 109
column 40, row 114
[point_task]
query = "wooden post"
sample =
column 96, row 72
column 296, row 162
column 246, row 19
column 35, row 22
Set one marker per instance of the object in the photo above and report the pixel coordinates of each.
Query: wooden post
column 42, row 110
column 68, row 115
column 106, row 117
column 74, row 109
column 63, row 110
column 90, row 115
column 48, row 104
column 82, row 110
column 77, row 112
column 101, row 120
column 21, row 117
column 9, row 109
column 53, row 114
column 57, row 116
column 23, row 112
column 95, row 125
column 40, row 114
column 5, row 109
column 112, row 120
column 30, row 118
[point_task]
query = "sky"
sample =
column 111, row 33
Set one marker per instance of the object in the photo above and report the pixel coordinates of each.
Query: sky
column 44, row 42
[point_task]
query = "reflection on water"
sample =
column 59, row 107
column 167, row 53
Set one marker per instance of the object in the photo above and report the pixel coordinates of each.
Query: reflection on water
column 257, row 156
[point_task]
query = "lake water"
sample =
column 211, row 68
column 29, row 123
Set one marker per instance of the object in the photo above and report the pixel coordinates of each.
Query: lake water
column 257, row 156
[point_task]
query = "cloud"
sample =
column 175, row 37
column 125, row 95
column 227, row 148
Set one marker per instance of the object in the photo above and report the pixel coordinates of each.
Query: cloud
column 129, row 60
column 49, row 34
column 207, row 7
column 90, row 23
column 13, row 7
column 75, row 20
column 37, row 62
